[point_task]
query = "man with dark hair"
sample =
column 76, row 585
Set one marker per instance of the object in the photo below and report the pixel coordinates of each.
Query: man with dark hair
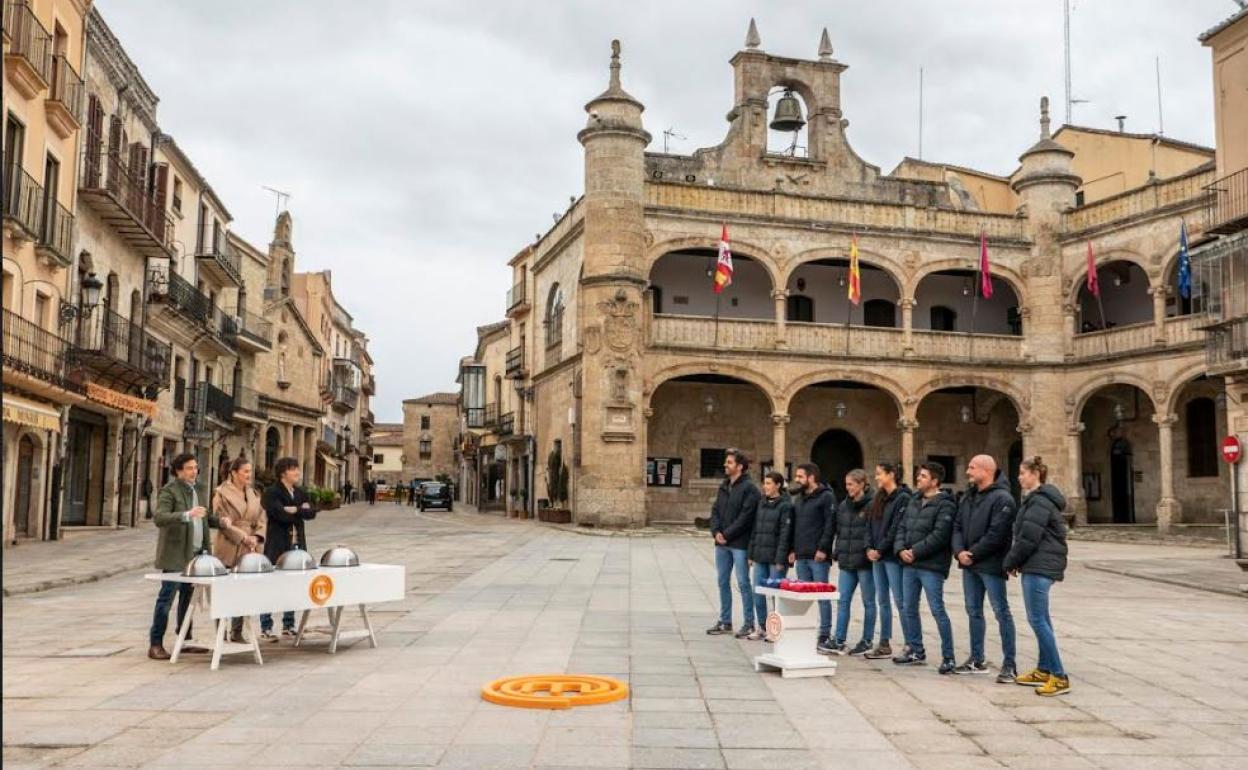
column 183, row 521
column 923, row 545
column 814, row 523
column 732, row 523
column 287, row 507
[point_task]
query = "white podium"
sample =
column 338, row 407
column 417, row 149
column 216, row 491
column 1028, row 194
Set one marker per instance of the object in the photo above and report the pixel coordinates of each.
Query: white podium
column 795, row 626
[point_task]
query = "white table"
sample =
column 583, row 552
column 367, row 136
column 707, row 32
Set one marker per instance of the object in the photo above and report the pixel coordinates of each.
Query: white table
column 793, row 653
column 330, row 589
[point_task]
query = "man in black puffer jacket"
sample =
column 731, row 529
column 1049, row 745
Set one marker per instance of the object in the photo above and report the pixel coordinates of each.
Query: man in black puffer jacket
column 923, row 545
column 810, row 546
column 732, row 523
column 981, row 539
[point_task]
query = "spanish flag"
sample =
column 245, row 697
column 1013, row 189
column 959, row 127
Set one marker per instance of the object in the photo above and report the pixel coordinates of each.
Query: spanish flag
column 855, row 275
column 723, row 268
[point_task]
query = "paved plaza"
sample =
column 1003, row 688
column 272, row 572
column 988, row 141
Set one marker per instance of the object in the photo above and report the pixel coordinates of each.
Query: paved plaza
column 1160, row 672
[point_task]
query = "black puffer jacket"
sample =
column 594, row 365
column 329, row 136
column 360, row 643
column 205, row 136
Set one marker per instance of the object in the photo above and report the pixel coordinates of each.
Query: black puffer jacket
column 882, row 530
column 813, row 523
column 851, row 533
column 733, row 513
column 770, row 542
column 1040, row 534
column 985, row 526
column 927, row 529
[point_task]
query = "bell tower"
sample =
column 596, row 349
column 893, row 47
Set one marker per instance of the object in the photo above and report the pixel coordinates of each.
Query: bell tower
column 281, row 260
column 610, row 490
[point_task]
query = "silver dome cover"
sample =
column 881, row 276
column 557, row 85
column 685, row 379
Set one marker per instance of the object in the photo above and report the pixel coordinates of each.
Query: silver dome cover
column 253, row 563
column 205, row 565
column 340, row 556
column 295, row 560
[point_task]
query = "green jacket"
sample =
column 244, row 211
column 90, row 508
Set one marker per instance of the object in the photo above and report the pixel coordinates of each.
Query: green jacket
column 175, row 546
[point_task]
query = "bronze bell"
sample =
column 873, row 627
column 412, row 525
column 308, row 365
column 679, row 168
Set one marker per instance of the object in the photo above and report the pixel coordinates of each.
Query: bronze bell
column 788, row 114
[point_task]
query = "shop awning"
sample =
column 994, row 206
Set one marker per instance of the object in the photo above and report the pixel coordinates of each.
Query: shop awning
column 329, row 459
column 32, row 414
column 122, row 401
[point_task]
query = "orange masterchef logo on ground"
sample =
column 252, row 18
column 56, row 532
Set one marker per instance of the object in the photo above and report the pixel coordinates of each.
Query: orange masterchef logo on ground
column 321, row 588
column 554, row 691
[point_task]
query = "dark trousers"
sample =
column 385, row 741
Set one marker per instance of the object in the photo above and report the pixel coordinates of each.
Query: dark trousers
column 288, row 621
column 160, row 618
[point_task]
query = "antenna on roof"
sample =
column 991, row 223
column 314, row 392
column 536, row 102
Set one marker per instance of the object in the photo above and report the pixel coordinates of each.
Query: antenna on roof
column 670, row 134
column 1066, row 31
column 920, row 113
column 280, row 199
column 1161, row 127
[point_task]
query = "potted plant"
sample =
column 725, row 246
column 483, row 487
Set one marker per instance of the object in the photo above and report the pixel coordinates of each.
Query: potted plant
column 556, row 488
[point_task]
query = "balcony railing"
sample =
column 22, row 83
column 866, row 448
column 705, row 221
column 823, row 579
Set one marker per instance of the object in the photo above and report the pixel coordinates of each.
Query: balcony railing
column 474, row 417
column 490, row 418
column 23, row 200
column 37, row 352
column 368, row 384
column 1138, row 337
column 209, row 401
column 56, row 233
column 122, row 196
column 516, row 295
column 343, row 397
column 247, row 400
column 255, row 328
column 109, row 343
column 224, row 326
column 367, row 418
column 1182, row 190
column 188, row 300
column 215, row 256
column 1227, row 211
column 65, row 94
column 329, row 437
column 515, row 361
column 30, row 43
column 507, row 424
column 1226, row 346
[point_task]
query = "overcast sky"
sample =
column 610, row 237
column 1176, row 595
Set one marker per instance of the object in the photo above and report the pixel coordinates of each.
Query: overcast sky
column 425, row 143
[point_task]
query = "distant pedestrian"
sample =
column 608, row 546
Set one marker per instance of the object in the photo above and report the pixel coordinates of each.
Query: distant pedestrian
column 981, row 538
column 923, row 545
column 236, row 497
column 1039, row 555
column 769, row 543
column 732, row 523
column 399, row 488
column 287, row 506
column 412, row 492
column 810, row 537
column 883, row 516
column 370, row 491
column 347, row 490
column 183, row 522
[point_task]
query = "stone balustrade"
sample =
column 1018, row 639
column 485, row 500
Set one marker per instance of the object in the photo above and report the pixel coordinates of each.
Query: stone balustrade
column 1181, row 330
column 1189, row 188
column 963, row 345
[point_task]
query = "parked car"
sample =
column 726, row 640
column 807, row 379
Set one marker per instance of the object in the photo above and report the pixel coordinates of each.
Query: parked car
column 434, row 494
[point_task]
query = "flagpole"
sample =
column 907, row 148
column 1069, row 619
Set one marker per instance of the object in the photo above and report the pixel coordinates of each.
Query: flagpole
column 1100, row 305
column 717, row 296
column 975, row 290
column 849, row 311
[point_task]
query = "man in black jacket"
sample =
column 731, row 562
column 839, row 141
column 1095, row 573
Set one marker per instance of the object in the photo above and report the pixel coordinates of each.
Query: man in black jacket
column 732, row 523
column 923, row 545
column 287, row 507
column 814, row 524
column 982, row 533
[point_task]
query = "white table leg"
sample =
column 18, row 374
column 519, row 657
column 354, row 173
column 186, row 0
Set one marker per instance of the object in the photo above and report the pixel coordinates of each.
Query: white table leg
column 186, row 622
column 303, row 623
column 219, row 642
column 372, row 638
column 335, row 621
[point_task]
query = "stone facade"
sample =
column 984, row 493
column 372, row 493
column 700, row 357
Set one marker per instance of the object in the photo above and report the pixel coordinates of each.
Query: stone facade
column 430, row 426
column 931, row 370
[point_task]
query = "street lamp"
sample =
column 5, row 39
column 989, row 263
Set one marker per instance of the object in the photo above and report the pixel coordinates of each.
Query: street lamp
column 91, row 292
column 709, row 405
column 840, row 409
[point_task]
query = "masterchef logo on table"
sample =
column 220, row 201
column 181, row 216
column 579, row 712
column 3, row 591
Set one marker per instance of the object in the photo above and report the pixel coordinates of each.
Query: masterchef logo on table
column 320, row 589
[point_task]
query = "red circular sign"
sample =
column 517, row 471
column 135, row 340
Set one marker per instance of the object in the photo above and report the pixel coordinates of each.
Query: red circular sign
column 1232, row 450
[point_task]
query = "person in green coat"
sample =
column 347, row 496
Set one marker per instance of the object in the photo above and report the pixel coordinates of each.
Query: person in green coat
column 183, row 518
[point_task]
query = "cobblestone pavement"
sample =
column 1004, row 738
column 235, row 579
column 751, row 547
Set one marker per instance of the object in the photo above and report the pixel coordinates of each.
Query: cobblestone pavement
column 1160, row 672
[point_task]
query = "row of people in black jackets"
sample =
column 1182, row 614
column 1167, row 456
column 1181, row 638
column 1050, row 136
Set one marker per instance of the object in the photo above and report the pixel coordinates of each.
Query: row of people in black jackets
column 894, row 545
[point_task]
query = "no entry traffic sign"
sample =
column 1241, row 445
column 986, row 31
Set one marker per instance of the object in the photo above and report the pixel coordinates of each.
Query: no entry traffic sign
column 1232, row 450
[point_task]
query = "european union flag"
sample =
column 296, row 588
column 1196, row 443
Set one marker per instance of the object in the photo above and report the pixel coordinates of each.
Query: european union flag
column 1185, row 264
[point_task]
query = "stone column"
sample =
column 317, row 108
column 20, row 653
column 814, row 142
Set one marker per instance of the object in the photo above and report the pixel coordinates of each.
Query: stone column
column 1068, row 325
column 781, row 297
column 1160, row 293
column 1074, row 459
column 907, row 325
column 309, row 449
column 907, row 426
column 112, row 460
column 779, row 423
column 1169, row 509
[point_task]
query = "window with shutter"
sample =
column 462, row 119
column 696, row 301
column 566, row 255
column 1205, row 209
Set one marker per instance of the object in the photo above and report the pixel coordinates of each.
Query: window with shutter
column 116, row 140
column 95, row 142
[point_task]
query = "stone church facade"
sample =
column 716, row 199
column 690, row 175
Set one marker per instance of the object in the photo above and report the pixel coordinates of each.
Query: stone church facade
column 619, row 352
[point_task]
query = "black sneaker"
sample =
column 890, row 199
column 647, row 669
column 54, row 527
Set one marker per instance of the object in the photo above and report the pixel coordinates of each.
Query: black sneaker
column 883, row 651
column 745, row 631
column 1007, row 675
column 972, row 666
column 910, row 657
column 947, row 666
column 831, row 647
column 861, row 648
column 720, row 628
column 823, row 638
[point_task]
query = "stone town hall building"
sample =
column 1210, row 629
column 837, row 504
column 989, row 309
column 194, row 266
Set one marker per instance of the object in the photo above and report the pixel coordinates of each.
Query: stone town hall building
column 611, row 347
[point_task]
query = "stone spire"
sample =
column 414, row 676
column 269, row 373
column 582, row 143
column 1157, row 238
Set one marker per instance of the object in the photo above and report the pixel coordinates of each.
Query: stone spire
column 752, row 40
column 614, row 92
column 1044, row 117
column 825, row 46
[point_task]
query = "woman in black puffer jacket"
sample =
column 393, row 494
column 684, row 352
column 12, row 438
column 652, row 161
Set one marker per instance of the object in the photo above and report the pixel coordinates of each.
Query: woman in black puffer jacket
column 885, row 513
column 768, row 551
column 854, row 568
column 1039, row 555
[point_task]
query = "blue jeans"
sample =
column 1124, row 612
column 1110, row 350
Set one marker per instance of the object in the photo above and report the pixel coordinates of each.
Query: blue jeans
column 761, row 573
column 809, row 569
column 726, row 559
column 288, row 622
column 888, row 579
column 164, row 600
column 913, row 581
column 974, row 586
column 1036, row 601
column 848, row 581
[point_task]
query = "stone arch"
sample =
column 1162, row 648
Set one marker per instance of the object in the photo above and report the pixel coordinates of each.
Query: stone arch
column 1019, row 399
column 863, row 376
column 1088, row 388
column 745, row 248
column 866, row 256
column 1175, row 385
column 18, row 280
column 1007, row 274
column 1118, row 254
column 749, row 376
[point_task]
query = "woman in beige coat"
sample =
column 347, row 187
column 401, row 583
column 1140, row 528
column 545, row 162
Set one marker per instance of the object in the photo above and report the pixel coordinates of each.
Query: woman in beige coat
column 238, row 499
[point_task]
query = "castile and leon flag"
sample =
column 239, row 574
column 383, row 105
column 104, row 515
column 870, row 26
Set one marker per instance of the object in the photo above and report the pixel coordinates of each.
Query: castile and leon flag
column 723, row 266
